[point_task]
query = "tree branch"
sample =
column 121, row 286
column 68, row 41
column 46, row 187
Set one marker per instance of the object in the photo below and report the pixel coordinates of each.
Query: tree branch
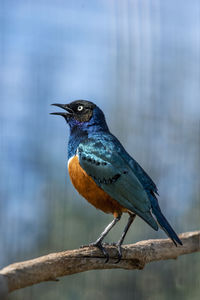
column 135, row 256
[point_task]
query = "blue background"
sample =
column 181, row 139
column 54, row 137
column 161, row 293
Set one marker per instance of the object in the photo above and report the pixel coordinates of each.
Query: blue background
column 139, row 61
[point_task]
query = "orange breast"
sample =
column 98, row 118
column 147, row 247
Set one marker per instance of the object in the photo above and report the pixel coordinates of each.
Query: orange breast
column 87, row 187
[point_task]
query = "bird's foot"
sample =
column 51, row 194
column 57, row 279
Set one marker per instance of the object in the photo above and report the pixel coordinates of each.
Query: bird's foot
column 119, row 249
column 118, row 245
column 101, row 248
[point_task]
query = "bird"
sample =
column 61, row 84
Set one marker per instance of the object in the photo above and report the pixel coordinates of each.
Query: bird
column 103, row 172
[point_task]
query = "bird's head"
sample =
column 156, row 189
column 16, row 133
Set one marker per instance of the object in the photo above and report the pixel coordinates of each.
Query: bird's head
column 82, row 114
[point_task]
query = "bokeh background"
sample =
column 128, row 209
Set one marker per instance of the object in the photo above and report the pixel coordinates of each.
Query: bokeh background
column 139, row 60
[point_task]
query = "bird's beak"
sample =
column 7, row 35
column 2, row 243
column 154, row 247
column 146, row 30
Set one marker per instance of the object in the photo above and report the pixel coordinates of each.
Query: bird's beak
column 65, row 107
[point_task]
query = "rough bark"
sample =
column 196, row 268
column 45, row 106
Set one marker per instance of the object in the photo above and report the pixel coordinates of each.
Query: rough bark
column 52, row 266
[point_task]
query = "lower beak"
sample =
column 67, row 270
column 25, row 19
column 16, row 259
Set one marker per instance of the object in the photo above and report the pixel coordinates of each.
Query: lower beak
column 65, row 107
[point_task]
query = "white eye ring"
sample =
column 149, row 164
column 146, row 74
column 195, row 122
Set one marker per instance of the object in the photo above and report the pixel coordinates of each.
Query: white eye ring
column 80, row 108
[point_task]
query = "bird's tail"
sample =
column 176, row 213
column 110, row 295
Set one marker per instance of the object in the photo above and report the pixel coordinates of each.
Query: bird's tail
column 164, row 224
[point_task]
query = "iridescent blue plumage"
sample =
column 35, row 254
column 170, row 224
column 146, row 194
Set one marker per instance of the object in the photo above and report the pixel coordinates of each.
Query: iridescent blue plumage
column 103, row 158
column 80, row 131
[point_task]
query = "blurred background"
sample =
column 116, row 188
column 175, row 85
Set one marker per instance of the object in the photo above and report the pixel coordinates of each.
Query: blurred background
column 139, row 60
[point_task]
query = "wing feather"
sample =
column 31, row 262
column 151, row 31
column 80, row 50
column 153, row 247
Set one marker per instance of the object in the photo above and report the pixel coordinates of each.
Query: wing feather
column 102, row 161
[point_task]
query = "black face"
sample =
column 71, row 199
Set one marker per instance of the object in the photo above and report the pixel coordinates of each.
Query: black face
column 80, row 110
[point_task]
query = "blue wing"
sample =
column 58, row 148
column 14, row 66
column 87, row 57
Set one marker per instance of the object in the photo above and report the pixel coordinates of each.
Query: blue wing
column 103, row 158
column 144, row 178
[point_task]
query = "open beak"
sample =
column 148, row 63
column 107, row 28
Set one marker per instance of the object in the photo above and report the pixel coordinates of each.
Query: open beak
column 65, row 107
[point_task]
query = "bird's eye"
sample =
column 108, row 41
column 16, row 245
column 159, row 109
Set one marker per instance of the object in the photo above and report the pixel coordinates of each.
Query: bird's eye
column 80, row 108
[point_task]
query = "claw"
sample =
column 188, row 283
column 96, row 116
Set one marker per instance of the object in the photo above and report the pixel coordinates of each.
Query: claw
column 101, row 248
column 119, row 248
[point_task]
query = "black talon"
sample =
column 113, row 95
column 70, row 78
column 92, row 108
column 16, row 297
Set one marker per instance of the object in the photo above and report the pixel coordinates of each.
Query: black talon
column 119, row 249
column 101, row 248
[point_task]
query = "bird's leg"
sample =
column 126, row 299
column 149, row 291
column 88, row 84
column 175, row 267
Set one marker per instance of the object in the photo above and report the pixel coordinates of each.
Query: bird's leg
column 107, row 229
column 119, row 243
column 98, row 242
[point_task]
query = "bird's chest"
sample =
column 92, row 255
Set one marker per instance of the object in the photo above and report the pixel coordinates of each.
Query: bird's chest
column 87, row 187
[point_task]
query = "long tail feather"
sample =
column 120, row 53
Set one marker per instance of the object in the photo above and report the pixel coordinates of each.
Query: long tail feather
column 162, row 221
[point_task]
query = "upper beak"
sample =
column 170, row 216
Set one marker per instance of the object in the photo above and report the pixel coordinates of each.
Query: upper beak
column 65, row 107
